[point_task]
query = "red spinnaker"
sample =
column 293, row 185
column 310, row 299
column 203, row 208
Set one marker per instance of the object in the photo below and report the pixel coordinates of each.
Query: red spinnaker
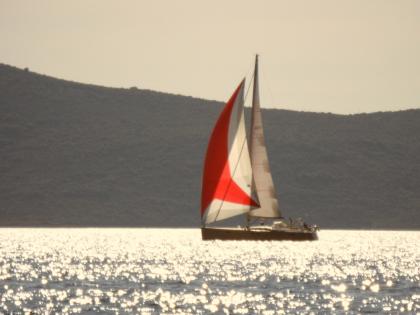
column 217, row 179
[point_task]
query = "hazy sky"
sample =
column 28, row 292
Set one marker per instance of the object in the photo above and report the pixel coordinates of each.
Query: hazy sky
column 334, row 56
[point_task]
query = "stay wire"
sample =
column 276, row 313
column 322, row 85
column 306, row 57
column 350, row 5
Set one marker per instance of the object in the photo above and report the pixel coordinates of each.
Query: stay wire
column 240, row 154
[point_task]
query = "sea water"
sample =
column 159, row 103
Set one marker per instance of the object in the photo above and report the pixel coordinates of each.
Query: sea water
column 171, row 271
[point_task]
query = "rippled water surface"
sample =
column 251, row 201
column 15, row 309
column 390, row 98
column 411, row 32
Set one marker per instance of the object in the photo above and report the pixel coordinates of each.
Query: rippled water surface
column 158, row 271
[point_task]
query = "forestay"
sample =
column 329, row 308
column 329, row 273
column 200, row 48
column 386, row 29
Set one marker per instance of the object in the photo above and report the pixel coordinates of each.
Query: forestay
column 227, row 179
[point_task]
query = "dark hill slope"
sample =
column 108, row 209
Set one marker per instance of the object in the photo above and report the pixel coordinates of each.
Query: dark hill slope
column 84, row 155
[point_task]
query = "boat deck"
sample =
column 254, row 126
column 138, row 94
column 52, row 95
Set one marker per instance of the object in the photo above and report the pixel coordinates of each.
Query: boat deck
column 258, row 233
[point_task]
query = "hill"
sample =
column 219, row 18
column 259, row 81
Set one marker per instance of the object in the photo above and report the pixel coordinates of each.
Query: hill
column 82, row 155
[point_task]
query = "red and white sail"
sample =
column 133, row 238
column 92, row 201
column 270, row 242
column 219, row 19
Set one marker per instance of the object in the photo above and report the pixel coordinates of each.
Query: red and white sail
column 227, row 178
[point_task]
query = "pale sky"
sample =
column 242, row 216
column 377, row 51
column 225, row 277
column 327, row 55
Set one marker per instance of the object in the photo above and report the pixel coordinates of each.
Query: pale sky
column 331, row 56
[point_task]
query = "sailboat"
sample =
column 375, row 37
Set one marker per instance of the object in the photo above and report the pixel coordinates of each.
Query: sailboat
column 237, row 179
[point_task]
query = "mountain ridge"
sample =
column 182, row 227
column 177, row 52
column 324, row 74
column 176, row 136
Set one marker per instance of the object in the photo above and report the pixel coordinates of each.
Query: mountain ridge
column 77, row 154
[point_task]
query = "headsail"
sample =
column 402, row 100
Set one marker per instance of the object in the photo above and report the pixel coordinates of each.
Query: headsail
column 227, row 178
column 263, row 181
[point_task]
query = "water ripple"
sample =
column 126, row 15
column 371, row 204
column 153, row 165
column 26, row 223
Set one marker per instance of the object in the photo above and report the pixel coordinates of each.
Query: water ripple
column 171, row 271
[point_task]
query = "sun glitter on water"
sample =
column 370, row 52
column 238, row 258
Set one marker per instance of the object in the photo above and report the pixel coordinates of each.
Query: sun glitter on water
column 158, row 271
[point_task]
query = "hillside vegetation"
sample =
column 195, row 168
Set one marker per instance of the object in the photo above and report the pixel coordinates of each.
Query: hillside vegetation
column 82, row 155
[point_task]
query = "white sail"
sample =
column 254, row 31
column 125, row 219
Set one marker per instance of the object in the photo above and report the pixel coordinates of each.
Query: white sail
column 227, row 179
column 263, row 182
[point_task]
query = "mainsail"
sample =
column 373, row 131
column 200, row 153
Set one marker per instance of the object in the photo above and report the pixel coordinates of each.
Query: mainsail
column 263, row 182
column 227, row 179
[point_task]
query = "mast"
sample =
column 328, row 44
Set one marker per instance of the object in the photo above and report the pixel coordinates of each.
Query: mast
column 263, row 182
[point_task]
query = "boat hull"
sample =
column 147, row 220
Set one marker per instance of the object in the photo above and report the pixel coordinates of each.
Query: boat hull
column 239, row 234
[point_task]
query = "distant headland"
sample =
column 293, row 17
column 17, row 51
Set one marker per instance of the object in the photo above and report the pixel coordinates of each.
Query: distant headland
column 74, row 154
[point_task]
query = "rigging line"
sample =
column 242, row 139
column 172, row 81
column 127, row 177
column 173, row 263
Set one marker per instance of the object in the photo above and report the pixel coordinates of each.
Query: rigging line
column 248, row 131
column 266, row 83
column 249, row 84
column 231, row 178
column 242, row 147
column 250, row 70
